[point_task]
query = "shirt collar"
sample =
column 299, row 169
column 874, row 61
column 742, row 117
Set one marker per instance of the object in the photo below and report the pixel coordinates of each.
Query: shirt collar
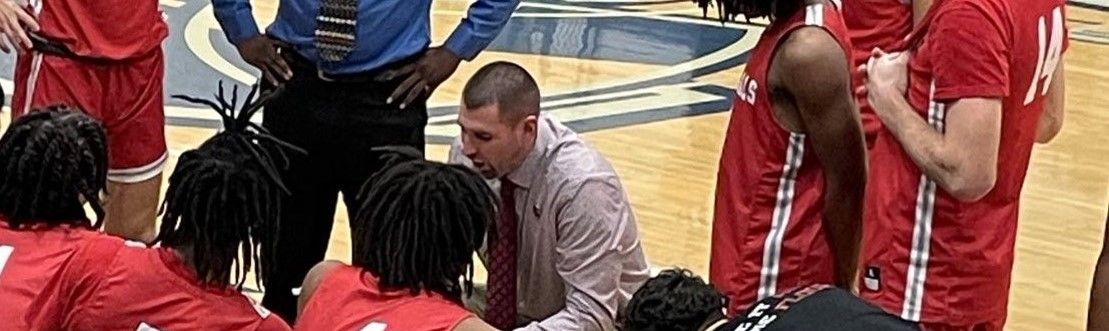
column 532, row 165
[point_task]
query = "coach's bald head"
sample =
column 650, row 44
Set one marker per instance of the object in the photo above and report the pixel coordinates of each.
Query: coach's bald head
column 499, row 118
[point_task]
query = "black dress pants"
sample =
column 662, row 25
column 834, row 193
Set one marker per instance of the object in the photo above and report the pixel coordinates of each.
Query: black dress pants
column 338, row 122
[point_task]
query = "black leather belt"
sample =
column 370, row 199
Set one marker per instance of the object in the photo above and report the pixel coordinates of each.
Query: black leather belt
column 301, row 65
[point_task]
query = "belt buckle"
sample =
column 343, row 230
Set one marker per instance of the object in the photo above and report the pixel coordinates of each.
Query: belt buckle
column 323, row 76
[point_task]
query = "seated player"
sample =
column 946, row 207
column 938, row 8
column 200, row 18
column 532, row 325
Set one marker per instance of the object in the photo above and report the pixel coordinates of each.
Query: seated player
column 676, row 300
column 420, row 223
column 222, row 201
column 51, row 162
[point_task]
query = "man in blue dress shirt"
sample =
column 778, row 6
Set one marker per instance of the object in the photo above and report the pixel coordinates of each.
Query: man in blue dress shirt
column 357, row 74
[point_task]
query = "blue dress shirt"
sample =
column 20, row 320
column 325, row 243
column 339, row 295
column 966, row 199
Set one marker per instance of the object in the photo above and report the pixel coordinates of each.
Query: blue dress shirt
column 387, row 30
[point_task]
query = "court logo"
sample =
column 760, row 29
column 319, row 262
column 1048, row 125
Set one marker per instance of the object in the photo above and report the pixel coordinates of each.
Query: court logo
column 643, row 66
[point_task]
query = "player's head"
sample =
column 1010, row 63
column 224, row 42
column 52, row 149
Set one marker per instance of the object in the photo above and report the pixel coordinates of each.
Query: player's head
column 54, row 160
column 730, row 9
column 419, row 223
column 675, row 300
column 223, row 197
column 499, row 118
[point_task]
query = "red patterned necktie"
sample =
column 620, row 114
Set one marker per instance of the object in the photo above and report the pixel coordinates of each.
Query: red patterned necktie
column 501, row 295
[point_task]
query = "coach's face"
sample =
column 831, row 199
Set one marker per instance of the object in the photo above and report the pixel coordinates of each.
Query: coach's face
column 496, row 144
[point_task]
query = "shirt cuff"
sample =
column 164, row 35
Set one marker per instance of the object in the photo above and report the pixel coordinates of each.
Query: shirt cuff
column 238, row 25
column 464, row 44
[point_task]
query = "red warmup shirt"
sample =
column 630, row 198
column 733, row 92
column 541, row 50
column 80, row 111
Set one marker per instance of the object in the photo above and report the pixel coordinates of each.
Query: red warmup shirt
column 112, row 285
column 349, row 299
column 882, row 24
column 768, row 231
column 111, row 29
column 28, row 259
column 941, row 260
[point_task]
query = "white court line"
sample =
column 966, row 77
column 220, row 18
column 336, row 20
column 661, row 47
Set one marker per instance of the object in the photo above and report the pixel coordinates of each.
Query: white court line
column 171, row 3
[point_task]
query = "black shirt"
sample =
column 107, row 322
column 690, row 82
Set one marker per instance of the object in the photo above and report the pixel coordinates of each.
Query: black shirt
column 817, row 307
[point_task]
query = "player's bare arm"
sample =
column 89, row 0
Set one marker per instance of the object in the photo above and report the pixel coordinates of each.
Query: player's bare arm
column 312, row 281
column 1051, row 122
column 474, row 324
column 1098, row 318
column 812, row 67
column 13, row 22
column 962, row 158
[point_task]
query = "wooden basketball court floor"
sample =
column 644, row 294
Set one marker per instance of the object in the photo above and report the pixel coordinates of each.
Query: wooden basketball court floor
column 668, row 163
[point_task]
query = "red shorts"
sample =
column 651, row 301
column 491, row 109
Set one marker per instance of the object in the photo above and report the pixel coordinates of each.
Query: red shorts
column 126, row 96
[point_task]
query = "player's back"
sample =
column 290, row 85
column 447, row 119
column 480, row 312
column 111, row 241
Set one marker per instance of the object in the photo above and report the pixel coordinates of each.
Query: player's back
column 110, row 284
column 350, row 299
column 768, row 232
column 28, row 259
column 112, row 29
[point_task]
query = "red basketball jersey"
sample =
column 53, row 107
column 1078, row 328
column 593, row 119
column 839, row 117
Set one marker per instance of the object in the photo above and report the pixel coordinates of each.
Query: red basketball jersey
column 111, row 29
column 767, row 230
column 112, row 285
column 28, row 259
column 873, row 24
column 350, row 299
column 928, row 256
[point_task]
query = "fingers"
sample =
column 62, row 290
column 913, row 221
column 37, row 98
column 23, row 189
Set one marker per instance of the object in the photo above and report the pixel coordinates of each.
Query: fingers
column 27, row 20
column 392, row 74
column 4, row 45
column 16, row 35
column 414, row 93
column 404, row 86
column 278, row 65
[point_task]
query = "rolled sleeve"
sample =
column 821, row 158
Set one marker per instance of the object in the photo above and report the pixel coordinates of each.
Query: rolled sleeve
column 237, row 19
column 589, row 258
column 484, row 21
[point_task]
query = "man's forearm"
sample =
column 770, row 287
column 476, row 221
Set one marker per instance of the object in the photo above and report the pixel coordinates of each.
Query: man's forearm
column 924, row 144
column 236, row 17
column 843, row 213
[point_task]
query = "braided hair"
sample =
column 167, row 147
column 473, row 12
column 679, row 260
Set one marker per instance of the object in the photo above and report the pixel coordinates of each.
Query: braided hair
column 419, row 223
column 52, row 161
column 729, row 10
column 224, row 197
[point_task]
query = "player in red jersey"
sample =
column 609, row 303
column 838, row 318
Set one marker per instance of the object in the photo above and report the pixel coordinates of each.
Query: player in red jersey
column 984, row 83
column 105, row 58
column 422, row 221
column 50, row 163
column 222, row 201
column 793, row 169
column 882, row 24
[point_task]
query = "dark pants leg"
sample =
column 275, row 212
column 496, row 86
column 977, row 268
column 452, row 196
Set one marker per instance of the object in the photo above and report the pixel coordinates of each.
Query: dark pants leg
column 338, row 123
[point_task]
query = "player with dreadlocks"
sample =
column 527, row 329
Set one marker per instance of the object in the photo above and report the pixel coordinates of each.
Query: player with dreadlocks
column 51, row 162
column 420, row 223
column 222, row 203
column 793, row 167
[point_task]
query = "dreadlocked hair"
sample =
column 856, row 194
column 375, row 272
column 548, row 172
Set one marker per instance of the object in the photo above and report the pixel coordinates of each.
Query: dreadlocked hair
column 419, row 223
column 52, row 161
column 224, row 197
column 729, row 10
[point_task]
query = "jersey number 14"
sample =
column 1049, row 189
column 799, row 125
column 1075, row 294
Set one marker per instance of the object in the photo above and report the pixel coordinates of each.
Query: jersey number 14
column 1049, row 52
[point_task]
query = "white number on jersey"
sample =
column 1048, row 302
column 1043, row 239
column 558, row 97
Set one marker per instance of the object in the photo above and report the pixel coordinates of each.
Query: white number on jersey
column 1049, row 52
column 5, row 253
column 374, row 326
column 146, row 327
